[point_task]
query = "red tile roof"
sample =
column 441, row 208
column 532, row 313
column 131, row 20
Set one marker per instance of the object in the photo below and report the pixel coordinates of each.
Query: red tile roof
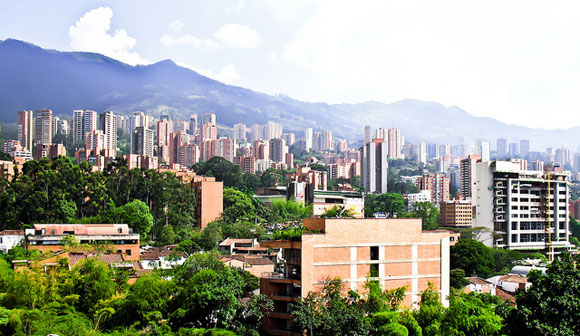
column 12, row 233
column 514, row 278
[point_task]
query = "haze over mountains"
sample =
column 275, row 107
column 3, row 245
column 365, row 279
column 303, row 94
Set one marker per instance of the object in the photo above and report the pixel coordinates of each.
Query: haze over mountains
column 34, row 78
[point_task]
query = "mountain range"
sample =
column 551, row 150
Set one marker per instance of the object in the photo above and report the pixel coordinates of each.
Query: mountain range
column 33, row 78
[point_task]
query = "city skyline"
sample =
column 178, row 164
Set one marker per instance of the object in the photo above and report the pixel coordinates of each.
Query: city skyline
column 506, row 72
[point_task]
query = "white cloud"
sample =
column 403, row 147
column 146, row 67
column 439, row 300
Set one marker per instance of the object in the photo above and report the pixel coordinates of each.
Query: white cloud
column 228, row 74
column 511, row 61
column 238, row 36
column 230, row 35
column 92, row 33
column 176, row 26
column 187, row 39
column 240, row 4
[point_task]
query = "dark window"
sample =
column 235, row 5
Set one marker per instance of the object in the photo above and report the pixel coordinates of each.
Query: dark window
column 120, row 230
column 128, row 252
column 374, row 253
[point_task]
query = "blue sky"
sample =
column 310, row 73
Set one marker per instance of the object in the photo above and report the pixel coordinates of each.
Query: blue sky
column 516, row 61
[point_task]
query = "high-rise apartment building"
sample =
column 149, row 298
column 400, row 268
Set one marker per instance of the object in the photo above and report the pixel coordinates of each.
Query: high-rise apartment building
column 209, row 118
column 367, row 135
column 240, row 131
column 422, row 152
column 142, row 141
column 502, row 149
column 485, row 151
column 308, row 138
column 278, row 150
column 522, row 207
column 26, row 129
column 193, row 124
column 43, row 127
column 467, row 168
column 524, row 148
column 290, row 138
column 375, row 166
column 514, row 150
column 138, row 119
column 438, row 184
column 395, row 143
column 326, row 141
column 83, row 122
column 108, row 124
column 60, row 126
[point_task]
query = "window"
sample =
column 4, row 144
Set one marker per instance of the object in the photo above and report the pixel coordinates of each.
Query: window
column 120, row 230
column 374, row 268
column 128, row 252
column 514, row 238
column 374, row 253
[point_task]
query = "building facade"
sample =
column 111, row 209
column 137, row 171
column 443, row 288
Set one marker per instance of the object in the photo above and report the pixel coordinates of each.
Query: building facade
column 374, row 166
column 456, row 213
column 438, row 184
column 522, row 207
column 118, row 238
column 394, row 252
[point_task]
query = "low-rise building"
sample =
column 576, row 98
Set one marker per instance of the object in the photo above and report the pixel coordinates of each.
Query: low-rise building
column 420, row 197
column 165, row 257
column 118, row 238
column 10, row 238
column 255, row 265
column 456, row 213
column 394, row 252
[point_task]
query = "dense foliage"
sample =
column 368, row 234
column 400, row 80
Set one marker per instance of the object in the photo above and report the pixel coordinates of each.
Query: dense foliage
column 202, row 293
column 58, row 191
column 330, row 312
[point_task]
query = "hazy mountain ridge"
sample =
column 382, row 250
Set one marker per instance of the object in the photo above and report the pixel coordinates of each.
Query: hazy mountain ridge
column 33, row 78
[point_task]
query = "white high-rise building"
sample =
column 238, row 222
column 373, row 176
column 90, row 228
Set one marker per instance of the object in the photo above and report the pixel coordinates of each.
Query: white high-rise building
column 367, row 135
column 83, row 122
column 521, row 207
column 501, row 149
column 484, row 151
column 308, row 137
column 108, row 124
column 374, row 166
column 142, row 141
column 240, row 131
column 422, row 152
column 43, row 127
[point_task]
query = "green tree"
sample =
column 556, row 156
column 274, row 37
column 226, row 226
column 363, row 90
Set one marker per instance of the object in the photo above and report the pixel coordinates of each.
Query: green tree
column 207, row 293
column 473, row 257
column 338, row 211
column 391, row 204
column 329, row 313
column 92, row 281
column 222, row 170
column 136, row 214
column 457, row 278
column 551, row 305
column 472, row 314
column 428, row 213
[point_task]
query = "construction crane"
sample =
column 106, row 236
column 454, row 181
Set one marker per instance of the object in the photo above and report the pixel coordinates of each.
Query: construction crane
column 548, row 226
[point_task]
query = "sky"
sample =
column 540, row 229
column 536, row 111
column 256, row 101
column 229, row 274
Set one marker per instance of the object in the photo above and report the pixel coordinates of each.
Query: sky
column 515, row 61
